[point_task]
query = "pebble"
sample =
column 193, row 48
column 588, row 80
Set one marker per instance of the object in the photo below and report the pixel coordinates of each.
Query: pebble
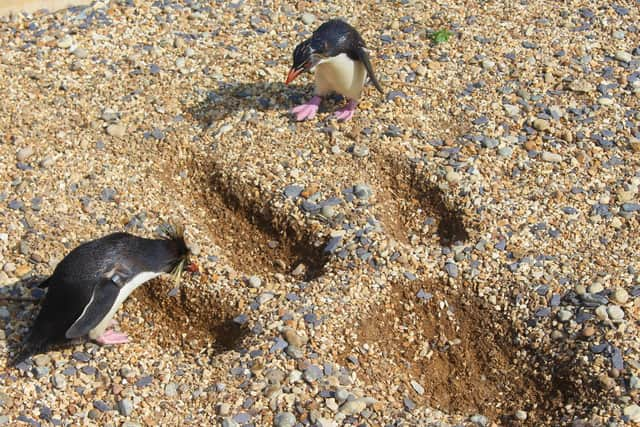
column 623, row 56
column 362, row 191
column 564, row 315
column 308, row 18
column 255, row 282
column 171, row 390
column 284, row 419
column 116, row 130
column 417, row 387
column 24, row 153
column 59, row 381
column 125, row 407
column 453, row 177
column 481, row 420
column 551, row 157
column 615, row 313
column 632, row 412
column 620, row 296
column 521, row 415
column 541, row 125
column 354, row 407
column 65, row 42
column 582, row 86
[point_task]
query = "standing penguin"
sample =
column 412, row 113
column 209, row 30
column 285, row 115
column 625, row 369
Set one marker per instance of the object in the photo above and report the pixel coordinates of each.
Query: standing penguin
column 338, row 56
column 88, row 286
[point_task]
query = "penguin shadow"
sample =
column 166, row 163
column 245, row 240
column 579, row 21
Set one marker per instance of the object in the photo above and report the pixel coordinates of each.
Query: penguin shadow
column 231, row 97
column 18, row 310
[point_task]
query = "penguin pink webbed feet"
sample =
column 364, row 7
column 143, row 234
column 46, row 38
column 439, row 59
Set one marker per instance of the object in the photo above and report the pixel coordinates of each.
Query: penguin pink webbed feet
column 112, row 337
column 307, row 110
column 346, row 112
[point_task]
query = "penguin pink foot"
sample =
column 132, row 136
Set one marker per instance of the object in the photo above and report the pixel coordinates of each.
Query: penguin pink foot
column 112, row 337
column 346, row 112
column 307, row 110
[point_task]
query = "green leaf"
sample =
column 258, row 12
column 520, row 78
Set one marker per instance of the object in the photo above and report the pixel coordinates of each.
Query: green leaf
column 441, row 36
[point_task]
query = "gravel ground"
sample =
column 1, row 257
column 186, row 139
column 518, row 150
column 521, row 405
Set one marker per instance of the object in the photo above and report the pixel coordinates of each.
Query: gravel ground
column 463, row 252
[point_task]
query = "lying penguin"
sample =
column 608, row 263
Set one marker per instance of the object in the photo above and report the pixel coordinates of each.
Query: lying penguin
column 338, row 56
column 89, row 285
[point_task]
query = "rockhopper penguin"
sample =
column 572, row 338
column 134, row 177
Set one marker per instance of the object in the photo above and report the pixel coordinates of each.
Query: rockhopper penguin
column 338, row 56
column 89, row 285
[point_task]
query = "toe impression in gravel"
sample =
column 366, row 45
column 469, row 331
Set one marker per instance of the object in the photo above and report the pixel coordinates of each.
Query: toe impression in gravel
column 88, row 286
column 337, row 54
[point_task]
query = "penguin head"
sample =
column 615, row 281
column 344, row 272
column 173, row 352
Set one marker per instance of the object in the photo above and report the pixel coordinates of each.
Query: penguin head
column 177, row 248
column 302, row 60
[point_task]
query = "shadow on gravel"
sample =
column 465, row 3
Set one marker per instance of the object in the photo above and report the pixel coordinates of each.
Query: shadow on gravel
column 21, row 309
column 231, row 97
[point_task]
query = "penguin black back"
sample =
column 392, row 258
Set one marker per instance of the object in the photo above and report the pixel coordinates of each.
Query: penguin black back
column 78, row 278
column 335, row 37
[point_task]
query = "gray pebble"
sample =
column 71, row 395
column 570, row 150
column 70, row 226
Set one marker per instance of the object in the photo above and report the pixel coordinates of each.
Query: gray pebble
column 308, row 18
column 171, row 390
column 24, row 153
column 451, row 269
column 615, row 313
column 284, row 419
column 481, row 420
column 362, row 191
column 255, row 282
column 59, row 381
column 125, row 407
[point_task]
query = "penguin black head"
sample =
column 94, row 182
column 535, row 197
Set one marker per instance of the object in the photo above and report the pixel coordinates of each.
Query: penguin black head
column 301, row 60
column 329, row 40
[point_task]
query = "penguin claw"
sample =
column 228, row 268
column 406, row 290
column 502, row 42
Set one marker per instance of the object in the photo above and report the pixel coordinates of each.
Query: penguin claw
column 307, row 110
column 346, row 113
column 112, row 337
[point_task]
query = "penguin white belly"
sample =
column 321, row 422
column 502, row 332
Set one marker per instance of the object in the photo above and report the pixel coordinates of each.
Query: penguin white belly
column 340, row 74
column 122, row 295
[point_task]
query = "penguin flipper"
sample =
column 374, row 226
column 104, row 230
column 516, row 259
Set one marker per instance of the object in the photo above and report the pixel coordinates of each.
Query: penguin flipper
column 363, row 57
column 102, row 300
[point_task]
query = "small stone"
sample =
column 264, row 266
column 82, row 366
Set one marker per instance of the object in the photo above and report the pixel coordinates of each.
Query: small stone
column 362, row 191
column 59, row 381
column 80, row 52
column 564, row 315
column 360, row 150
column 284, row 419
column 623, row 56
column 451, row 269
column 487, row 64
column 47, row 162
column 521, row 415
column 308, row 18
column 417, row 387
column 595, row 287
column 24, row 153
column 125, row 407
column 606, row 101
column 171, row 390
column 541, row 124
column 255, row 282
column 453, row 177
column 293, row 338
column 620, row 296
column 116, row 130
column 633, row 412
column 601, row 312
column 224, row 409
column 65, row 42
column 481, row 420
column 42, row 360
column 551, row 157
column 581, row 86
column 353, row 407
column 588, row 331
column 615, row 313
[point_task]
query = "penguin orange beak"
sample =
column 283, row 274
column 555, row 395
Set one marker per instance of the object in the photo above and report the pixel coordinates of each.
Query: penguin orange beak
column 293, row 73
